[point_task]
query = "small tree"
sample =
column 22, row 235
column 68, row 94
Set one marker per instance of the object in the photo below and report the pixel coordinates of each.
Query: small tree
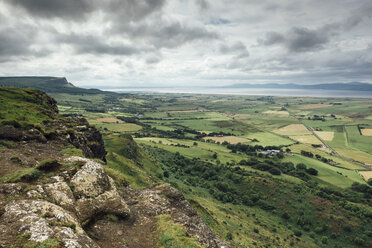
column 369, row 181
column 301, row 166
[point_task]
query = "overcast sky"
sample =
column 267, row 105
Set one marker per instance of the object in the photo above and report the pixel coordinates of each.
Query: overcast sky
column 120, row 43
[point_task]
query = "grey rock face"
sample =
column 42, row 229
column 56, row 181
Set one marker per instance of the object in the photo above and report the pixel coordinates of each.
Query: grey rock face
column 59, row 210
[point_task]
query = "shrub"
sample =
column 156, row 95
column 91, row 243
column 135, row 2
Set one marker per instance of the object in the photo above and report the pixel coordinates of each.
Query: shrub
column 298, row 233
column 166, row 174
column 229, row 236
column 301, row 166
column 11, row 123
column 285, row 216
column 324, row 240
column 275, row 171
column 370, row 181
column 312, row 171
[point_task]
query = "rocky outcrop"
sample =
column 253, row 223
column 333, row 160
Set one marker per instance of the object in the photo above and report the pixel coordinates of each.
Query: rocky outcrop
column 88, row 139
column 42, row 220
column 162, row 199
column 59, row 208
column 9, row 132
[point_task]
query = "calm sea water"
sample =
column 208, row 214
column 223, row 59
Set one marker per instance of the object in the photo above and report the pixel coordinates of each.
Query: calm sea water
column 257, row 92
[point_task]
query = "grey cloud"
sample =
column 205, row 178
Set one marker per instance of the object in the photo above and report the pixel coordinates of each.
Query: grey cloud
column 219, row 21
column 238, row 48
column 18, row 41
column 131, row 10
column 115, row 10
column 169, row 34
column 298, row 39
column 303, row 39
column 13, row 43
column 359, row 15
column 75, row 9
column 273, row 38
column 153, row 59
column 202, row 4
column 88, row 44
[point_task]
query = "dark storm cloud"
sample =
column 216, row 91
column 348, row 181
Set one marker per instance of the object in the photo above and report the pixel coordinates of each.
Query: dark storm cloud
column 143, row 20
column 75, row 9
column 165, row 34
column 88, row 44
column 117, row 10
column 298, row 39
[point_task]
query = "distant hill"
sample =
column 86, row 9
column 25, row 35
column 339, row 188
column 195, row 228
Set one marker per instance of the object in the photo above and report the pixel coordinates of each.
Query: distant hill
column 332, row 86
column 48, row 84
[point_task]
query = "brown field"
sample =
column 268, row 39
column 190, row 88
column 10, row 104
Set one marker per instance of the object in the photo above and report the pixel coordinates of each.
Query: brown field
column 206, row 132
column 272, row 112
column 315, row 106
column 366, row 132
column 366, row 174
column 327, row 136
column 293, row 129
column 126, row 99
column 230, row 139
column 188, row 111
column 238, row 116
column 109, row 120
column 356, row 155
column 357, row 116
column 306, row 139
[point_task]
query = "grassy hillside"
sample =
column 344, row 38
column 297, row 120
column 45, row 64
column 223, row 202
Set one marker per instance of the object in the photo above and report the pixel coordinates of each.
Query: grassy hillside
column 22, row 107
column 248, row 207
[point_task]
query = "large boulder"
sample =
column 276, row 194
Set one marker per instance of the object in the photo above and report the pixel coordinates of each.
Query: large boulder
column 43, row 220
column 95, row 192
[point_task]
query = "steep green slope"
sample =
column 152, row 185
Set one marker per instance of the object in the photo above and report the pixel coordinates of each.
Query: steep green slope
column 47, row 84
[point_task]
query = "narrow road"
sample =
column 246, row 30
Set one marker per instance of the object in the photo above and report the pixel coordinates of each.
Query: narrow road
column 321, row 140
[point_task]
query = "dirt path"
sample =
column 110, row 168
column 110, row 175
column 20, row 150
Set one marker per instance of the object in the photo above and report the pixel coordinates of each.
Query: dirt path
column 123, row 233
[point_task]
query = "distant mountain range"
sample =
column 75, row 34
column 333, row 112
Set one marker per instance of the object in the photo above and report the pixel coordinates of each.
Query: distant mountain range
column 48, row 84
column 355, row 86
column 61, row 85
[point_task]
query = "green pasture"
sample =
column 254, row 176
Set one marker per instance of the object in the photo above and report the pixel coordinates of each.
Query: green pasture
column 358, row 141
column 269, row 139
column 329, row 174
column 203, row 150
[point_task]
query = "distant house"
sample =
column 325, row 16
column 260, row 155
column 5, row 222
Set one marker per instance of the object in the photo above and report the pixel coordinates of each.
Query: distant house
column 270, row 152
